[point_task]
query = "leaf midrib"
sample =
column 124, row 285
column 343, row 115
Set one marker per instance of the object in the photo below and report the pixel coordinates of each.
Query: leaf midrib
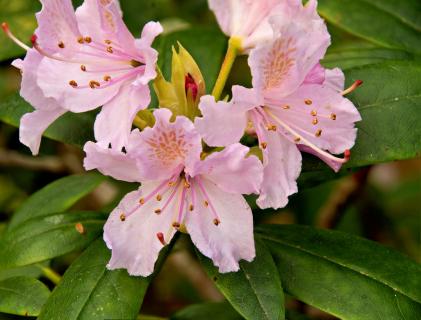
column 340, row 264
column 379, row 103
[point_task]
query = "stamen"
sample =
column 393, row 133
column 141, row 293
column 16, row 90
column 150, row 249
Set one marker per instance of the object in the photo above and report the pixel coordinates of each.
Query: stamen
column 271, row 127
column 186, row 184
column 122, row 217
column 354, row 86
column 83, row 68
column 318, row 133
column 206, row 204
column 176, row 225
column 158, row 211
column 158, row 197
column 161, row 239
column 87, row 39
column 61, row 45
column 307, row 142
column 308, row 102
column 94, row 84
column 110, row 50
column 216, row 222
column 142, row 201
column 107, row 42
column 191, row 207
column 135, row 63
column 107, row 78
column 313, row 113
column 286, row 107
column 12, row 37
column 333, row 116
column 264, row 145
column 297, row 139
column 207, row 199
column 73, row 83
column 81, row 40
column 315, row 121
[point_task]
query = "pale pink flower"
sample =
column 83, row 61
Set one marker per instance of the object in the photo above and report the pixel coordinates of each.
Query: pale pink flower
column 179, row 191
column 82, row 60
column 248, row 20
column 295, row 104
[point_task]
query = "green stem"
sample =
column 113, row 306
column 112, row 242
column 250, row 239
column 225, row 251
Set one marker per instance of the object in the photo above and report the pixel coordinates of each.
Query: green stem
column 234, row 48
column 50, row 274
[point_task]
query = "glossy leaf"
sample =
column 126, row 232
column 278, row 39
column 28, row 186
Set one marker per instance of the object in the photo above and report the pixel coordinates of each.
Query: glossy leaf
column 22, row 296
column 207, row 311
column 255, row 291
column 344, row 275
column 19, row 14
column 58, row 196
column 49, row 236
column 71, row 128
column 390, row 24
column 89, row 291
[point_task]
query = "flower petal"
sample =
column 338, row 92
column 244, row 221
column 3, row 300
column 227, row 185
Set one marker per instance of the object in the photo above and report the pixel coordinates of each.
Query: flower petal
column 134, row 242
column 322, row 116
column 33, row 125
column 222, row 123
column 230, row 241
column 165, row 149
column 282, row 166
column 114, row 123
column 111, row 162
column 301, row 39
column 231, row 170
column 57, row 24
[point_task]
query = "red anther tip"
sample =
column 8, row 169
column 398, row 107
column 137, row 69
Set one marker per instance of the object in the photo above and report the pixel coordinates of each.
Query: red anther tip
column 34, row 39
column 347, row 154
column 359, row 82
column 160, row 237
column 5, row 26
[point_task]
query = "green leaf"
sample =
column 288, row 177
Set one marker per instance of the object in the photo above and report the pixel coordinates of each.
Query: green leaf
column 207, row 311
column 206, row 45
column 89, row 291
column 20, row 15
column 390, row 24
column 72, row 128
column 344, row 275
column 49, row 236
column 255, row 291
column 58, row 196
column 22, row 296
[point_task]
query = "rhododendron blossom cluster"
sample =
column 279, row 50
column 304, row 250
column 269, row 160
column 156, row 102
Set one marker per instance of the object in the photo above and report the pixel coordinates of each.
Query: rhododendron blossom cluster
column 187, row 154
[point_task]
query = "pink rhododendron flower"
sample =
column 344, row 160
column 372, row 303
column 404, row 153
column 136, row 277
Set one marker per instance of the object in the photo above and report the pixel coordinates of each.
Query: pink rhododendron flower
column 179, row 191
column 82, row 60
column 248, row 20
column 295, row 104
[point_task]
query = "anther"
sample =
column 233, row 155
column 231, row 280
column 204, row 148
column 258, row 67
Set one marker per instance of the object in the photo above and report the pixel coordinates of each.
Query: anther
column 264, row 145
column 61, row 45
column 142, row 201
column 135, row 63
column 87, row 39
column 110, row 50
column 73, row 83
column 313, row 113
column 80, row 228
column 171, row 184
column 308, row 102
column 176, row 225
column 122, row 217
column 83, row 68
column 318, row 133
column 191, row 207
column 158, row 211
column 205, row 203
column 315, row 121
column 161, row 239
column 186, row 184
column 107, row 78
column 271, row 127
column 158, row 197
column 94, row 84
column 107, row 41
column 297, row 139
column 216, row 222
column 286, row 107
column 80, row 40
column 347, row 155
column 333, row 116
column 354, row 86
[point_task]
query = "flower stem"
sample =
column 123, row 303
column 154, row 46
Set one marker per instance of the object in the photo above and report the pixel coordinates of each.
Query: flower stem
column 50, row 274
column 234, row 48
